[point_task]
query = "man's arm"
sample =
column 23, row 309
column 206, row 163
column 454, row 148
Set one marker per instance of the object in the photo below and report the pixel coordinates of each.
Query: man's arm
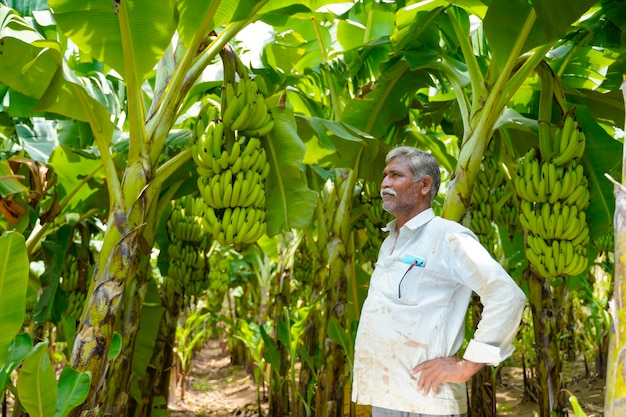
column 436, row 371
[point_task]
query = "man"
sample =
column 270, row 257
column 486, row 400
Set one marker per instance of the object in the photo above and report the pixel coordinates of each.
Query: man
column 412, row 321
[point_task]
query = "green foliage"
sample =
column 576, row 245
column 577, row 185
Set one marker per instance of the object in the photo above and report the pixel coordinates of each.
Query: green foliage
column 36, row 386
column 436, row 75
column 13, row 282
column 73, row 389
column 192, row 333
column 107, row 28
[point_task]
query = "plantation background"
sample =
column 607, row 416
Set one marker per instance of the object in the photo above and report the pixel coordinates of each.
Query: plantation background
column 161, row 186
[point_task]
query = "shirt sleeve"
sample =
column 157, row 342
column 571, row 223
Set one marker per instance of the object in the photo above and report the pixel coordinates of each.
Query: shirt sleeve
column 502, row 299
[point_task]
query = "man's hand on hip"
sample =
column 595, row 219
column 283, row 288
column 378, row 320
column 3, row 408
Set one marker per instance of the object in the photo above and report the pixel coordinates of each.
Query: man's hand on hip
column 436, row 371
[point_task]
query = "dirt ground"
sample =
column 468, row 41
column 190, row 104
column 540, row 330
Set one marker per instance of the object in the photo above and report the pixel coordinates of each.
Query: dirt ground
column 218, row 389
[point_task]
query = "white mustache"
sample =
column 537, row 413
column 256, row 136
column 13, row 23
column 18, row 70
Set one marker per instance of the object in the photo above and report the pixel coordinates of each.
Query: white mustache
column 388, row 190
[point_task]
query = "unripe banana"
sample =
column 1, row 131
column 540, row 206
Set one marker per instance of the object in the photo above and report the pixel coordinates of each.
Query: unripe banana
column 237, row 165
column 236, row 187
column 252, row 145
column 224, row 161
column 263, row 130
column 217, row 139
column 230, row 92
column 227, row 192
column 231, row 108
column 216, row 191
column 256, row 190
column 205, row 190
column 555, row 194
column 244, row 190
column 260, row 200
column 257, row 115
column 250, row 160
column 241, row 120
column 230, row 234
column 259, row 164
column 235, row 152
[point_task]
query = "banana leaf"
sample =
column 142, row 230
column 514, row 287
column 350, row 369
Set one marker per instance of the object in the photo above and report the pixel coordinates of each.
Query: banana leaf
column 13, row 283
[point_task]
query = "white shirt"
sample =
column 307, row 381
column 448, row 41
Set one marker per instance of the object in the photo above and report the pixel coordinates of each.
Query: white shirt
column 406, row 321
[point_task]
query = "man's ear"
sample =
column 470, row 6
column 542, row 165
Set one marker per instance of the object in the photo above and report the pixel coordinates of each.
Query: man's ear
column 428, row 183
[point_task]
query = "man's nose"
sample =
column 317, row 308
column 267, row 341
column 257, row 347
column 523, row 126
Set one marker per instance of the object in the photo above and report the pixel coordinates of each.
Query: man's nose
column 385, row 182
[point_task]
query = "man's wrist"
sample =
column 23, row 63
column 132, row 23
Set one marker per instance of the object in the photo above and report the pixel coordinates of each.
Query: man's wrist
column 471, row 368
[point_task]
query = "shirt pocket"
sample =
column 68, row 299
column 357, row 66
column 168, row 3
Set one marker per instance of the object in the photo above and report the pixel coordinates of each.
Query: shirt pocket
column 409, row 286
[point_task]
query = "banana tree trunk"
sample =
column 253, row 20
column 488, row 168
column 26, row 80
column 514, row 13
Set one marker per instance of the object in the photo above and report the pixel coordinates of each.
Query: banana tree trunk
column 116, row 265
column 157, row 382
column 564, row 318
column 482, row 401
column 120, row 375
column 615, row 399
column 279, row 388
column 307, row 376
column 332, row 380
column 546, row 346
column 333, row 376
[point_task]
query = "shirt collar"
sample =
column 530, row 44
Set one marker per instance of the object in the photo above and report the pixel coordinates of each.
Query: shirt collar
column 415, row 223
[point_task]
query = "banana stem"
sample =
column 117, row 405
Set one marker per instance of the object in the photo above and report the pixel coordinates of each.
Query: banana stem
column 545, row 111
column 479, row 90
column 229, row 63
column 185, row 73
column 336, row 106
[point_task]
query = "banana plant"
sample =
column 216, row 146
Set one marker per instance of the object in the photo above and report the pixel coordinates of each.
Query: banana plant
column 37, row 390
column 616, row 382
column 392, row 58
column 485, row 74
column 136, row 194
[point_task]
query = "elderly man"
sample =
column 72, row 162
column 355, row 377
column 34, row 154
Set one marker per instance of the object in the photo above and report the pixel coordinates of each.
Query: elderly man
column 412, row 322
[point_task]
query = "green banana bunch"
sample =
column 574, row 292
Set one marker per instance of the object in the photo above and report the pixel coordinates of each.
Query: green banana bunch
column 185, row 221
column 372, row 238
column 207, row 113
column 235, row 213
column 187, row 275
column 554, row 197
column 508, row 216
column 188, row 245
column 368, row 227
column 75, row 304
column 483, row 201
column 554, row 258
column 493, row 174
column 220, row 262
column 230, row 190
column 303, row 264
column 74, row 278
column 548, row 182
column 529, row 183
column 232, row 172
column 70, row 275
column 558, row 221
column 245, row 109
column 505, row 205
column 207, row 152
column 568, row 142
column 605, row 244
column 480, row 223
column 372, row 204
column 235, row 225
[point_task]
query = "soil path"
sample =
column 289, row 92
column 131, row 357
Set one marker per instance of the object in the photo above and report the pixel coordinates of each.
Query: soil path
column 216, row 388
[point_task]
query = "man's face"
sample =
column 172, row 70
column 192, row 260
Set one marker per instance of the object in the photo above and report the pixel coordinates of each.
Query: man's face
column 398, row 188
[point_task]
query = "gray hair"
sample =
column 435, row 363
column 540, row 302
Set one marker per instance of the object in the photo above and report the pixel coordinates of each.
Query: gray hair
column 421, row 164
